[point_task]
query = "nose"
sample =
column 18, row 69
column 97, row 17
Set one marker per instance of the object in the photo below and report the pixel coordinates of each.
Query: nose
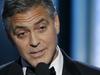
column 34, row 41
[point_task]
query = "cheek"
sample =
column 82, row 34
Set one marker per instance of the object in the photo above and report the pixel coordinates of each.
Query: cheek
column 21, row 44
column 50, row 38
column 22, row 48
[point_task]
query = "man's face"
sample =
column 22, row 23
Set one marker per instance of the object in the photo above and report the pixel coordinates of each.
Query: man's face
column 35, row 34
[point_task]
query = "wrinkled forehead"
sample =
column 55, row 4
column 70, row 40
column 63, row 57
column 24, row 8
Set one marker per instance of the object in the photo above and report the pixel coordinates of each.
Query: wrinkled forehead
column 31, row 15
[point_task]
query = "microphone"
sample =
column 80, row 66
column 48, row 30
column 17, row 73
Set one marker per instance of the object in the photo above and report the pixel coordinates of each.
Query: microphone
column 42, row 69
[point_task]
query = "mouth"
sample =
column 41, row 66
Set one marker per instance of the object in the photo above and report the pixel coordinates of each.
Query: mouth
column 38, row 53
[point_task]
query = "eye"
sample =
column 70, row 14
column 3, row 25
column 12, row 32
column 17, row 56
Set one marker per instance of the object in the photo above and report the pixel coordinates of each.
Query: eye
column 21, row 34
column 42, row 28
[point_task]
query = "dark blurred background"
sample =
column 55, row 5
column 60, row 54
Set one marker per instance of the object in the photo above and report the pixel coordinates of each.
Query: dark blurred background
column 80, row 28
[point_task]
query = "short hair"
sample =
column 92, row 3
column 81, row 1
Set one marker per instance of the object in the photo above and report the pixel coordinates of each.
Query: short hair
column 13, row 7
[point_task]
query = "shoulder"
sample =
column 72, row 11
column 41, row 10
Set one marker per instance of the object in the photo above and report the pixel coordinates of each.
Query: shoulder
column 78, row 68
column 5, row 67
column 87, row 69
column 11, row 68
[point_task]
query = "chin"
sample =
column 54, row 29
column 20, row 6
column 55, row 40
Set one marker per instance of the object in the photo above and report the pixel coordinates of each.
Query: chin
column 34, row 64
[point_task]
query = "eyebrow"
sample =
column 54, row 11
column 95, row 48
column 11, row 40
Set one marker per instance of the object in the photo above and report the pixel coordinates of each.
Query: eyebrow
column 19, row 27
column 41, row 20
column 24, row 27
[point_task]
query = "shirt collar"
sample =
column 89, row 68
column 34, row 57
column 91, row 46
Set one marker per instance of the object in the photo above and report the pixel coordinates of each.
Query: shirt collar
column 58, row 62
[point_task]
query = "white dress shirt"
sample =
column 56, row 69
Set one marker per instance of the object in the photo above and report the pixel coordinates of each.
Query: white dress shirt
column 57, row 63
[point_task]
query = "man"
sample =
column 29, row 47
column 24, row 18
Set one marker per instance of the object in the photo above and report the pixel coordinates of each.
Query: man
column 33, row 26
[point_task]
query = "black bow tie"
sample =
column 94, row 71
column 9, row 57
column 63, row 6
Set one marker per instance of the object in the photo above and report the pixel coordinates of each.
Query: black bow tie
column 31, row 71
column 52, row 71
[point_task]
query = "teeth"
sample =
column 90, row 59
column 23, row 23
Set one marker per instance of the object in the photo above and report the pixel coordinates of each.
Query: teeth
column 36, row 51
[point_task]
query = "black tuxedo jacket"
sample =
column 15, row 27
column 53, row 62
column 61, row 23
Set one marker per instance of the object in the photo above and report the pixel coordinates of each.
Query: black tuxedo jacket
column 70, row 68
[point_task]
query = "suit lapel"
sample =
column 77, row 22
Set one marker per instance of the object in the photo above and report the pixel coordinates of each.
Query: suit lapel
column 15, row 69
column 69, row 67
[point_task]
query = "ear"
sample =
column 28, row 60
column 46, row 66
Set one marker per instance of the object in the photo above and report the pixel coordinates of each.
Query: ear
column 57, row 24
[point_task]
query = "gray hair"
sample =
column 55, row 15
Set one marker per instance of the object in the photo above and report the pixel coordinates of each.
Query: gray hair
column 12, row 7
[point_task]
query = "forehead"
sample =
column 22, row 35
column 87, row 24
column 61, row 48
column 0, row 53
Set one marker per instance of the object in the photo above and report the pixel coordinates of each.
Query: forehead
column 32, row 15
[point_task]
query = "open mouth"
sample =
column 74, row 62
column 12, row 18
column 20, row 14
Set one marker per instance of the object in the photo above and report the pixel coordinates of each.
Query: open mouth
column 37, row 53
